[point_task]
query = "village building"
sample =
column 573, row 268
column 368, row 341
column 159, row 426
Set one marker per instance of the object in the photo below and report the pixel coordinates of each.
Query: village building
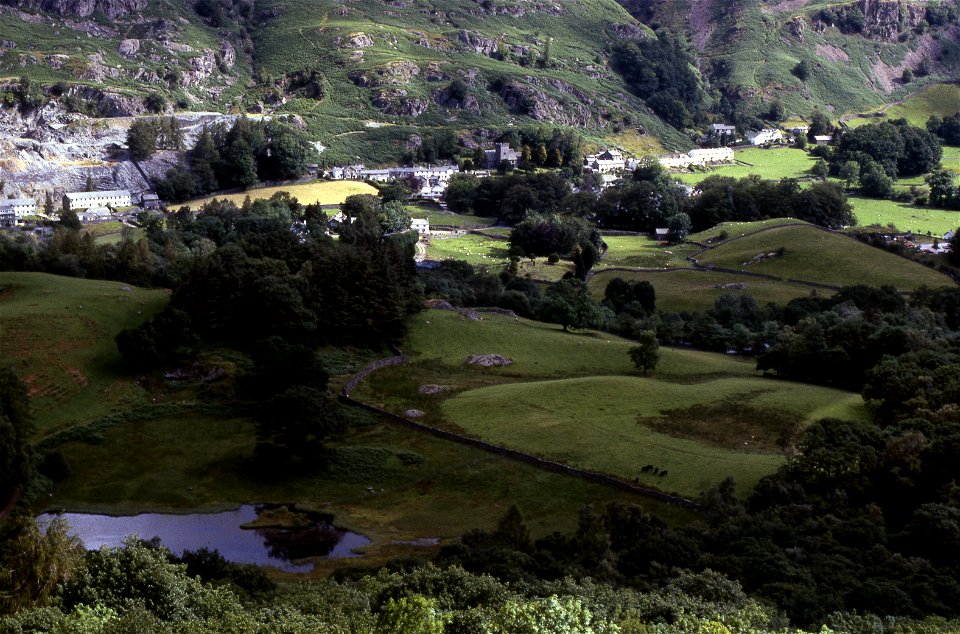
column 823, row 139
column 19, row 206
column 149, row 200
column 699, row 157
column 501, row 152
column 8, row 218
column 717, row 130
column 420, row 225
column 95, row 214
column 767, row 136
column 76, row 201
column 605, row 162
column 799, row 130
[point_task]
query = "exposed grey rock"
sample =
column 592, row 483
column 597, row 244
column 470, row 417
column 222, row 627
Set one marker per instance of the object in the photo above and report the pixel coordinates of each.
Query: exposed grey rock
column 489, row 360
column 128, row 48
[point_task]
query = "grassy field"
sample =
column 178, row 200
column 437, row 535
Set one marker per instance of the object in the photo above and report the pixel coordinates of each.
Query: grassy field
column 575, row 397
column 642, row 251
column 938, row 99
column 475, row 249
column 813, row 255
column 599, row 423
column 737, row 229
column 424, row 487
column 774, row 164
column 60, row 333
column 323, row 192
column 696, row 291
column 904, row 216
column 441, row 217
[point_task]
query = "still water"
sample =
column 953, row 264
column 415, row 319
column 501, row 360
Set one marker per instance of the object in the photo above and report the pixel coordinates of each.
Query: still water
column 277, row 547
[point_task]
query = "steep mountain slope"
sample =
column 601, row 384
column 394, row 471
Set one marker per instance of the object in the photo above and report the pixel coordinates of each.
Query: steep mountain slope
column 856, row 52
column 368, row 77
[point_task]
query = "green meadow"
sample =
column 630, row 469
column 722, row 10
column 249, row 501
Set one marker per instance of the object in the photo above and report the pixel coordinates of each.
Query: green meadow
column 903, row 216
column 692, row 290
column 814, row 255
column 60, row 333
column 598, row 423
column 576, row 398
column 939, row 99
column 773, row 164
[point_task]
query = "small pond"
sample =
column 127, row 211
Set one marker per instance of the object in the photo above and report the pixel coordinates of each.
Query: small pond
column 266, row 544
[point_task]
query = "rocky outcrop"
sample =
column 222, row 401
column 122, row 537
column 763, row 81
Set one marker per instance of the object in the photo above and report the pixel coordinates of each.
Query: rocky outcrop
column 398, row 73
column 527, row 99
column 201, row 68
column 795, row 27
column 228, row 55
column 128, row 48
column 97, row 70
column 627, row 31
column 885, row 19
column 355, row 40
column 477, row 43
column 113, row 9
column 445, row 99
column 396, row 102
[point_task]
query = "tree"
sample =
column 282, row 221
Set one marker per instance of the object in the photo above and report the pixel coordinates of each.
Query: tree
column 943, row 193
column 820, row 169
column 48, row 207
column 16, row 428
column 820, row 124
column 907, row 76
column 802, row 70
column 568, row 303
column 850, row 173
column 874, row 181
column 155, row 102
column 646, row 354
column 293, row 426
column 777, row 112
column 34, row 562
column 142, row 139
column 70, row 220
column 679, row 226
column 89, row 186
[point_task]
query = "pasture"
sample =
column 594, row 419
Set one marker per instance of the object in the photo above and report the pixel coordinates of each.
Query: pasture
column 620, row 424
column 903, row 216
column 319, row 192
column 939, row 99
column 772, row 164
column 476, row 249
column 814, row 255
column 59, row 332
column 693, row 290
column 642, row 251
column 576, row 398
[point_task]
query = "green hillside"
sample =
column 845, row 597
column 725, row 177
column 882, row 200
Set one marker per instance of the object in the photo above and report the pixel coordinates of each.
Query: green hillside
column 60, row 333
column 814, row 255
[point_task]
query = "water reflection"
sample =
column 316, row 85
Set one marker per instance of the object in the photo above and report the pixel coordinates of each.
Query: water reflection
column 273, row 546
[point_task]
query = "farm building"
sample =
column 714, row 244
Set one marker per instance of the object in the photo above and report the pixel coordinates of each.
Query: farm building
column 94, row 214
column 75, row 201
column 19, row 206
column 420, row 225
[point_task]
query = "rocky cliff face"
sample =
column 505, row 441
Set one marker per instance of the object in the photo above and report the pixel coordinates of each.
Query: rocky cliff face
column 84, row 8
column 886, row 19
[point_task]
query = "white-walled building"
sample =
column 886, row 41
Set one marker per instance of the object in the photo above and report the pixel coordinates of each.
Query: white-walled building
column 19, row 206
column 420, row 225
column 74, row 201
column 605, row 162
column 698, row 157
column 765, row 136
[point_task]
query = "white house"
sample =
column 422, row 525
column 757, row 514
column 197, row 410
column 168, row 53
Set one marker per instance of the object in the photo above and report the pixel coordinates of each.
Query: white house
column 719, row 129
column 823, row 139
column 765, row 136
column 604, row 162
column 712, row 155
column 74, row 201
column 799, row 130
column 19, row 206
column 700, row 157
column 420, row 225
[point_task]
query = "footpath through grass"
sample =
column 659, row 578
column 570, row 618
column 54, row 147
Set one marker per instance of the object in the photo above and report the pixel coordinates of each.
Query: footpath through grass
column 59, row 333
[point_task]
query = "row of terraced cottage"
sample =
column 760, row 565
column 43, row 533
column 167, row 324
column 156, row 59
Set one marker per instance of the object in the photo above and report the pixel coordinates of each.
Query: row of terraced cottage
column 89, row 206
